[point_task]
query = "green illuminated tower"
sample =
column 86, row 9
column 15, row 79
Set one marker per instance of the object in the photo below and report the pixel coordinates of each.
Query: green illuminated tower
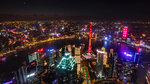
column 67, row 63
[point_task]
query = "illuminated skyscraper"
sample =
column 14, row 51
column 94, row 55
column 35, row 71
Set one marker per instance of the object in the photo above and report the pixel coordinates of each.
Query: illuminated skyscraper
column 77, row 58
column 125, row 30
column 100, row 60
column 112, row 63
column 105, row 59
column 67, row 63
column 70, row 49
column 52, row 55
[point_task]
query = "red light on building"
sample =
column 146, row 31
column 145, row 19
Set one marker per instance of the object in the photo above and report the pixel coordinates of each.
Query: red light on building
column 3, row 59
column 21, row 37
column 40, row 50
column 125, row 32
column 90, row 35
column 33, row 63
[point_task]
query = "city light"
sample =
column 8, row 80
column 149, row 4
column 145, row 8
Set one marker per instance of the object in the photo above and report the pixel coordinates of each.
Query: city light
column 67, row 62
column 109, row 36
column 58, row 35
column 105, row 44
column 3, row 59
column 33, row 63
column 30, row 75
column 99, row 51
column 52, row 34
column 62, row 28
column 45, row 63
column 40, row 50
column 129, row 55
column 9, row 82
column 139, row 50
column 50, row 50
column 90, row 35
column 66, row 54
column 125, row 29
column 106, row 38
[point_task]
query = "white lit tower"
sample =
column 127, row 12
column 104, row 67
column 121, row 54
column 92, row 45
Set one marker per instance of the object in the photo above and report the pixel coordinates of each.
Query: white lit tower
column 100, row 62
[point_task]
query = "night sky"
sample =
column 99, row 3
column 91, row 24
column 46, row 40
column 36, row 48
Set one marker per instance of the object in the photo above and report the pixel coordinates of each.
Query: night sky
column 75, row 7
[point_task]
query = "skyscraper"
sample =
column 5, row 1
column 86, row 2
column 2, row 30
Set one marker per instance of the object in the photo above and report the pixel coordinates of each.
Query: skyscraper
column 67, row 63
column 125, row 30
column 99, row 64
column 51, row 54
column 112, row 63
column 77, row 58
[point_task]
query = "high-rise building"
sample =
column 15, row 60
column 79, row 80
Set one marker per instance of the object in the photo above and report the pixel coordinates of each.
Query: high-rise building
column 60, row 52
column 136, row 58
column 125, row 30
column 67, row 63
column 69, row 49
column 147, row 77
column 112, row 63
column 105, row 59
column 99, row 64
column 77, row 58
column 73, row 50
column 52, row 55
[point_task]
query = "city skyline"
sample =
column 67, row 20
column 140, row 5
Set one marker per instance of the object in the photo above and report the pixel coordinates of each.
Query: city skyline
column 74, row 42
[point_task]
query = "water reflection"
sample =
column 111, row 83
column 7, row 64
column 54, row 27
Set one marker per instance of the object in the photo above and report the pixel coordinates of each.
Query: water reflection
column 139, row 50
column 105, row 44
column 126, row 53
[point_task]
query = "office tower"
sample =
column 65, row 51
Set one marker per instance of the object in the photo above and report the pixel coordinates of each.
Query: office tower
column 112, row 63
column 67, row 63
column 77, row 58
column 99, row 64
